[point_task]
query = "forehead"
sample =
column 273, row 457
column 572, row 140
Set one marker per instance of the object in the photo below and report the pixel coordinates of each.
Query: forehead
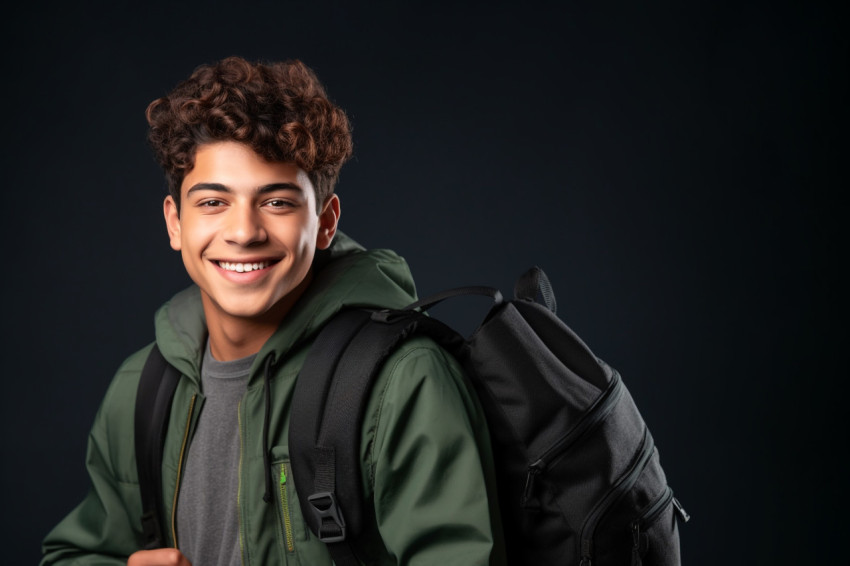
column 240, row 168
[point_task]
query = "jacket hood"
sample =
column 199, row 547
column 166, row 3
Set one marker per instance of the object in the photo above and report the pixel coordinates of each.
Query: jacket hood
column 344, row 275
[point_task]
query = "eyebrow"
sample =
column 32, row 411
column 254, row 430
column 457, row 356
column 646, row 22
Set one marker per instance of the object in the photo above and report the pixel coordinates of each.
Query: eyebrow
column 271, row 187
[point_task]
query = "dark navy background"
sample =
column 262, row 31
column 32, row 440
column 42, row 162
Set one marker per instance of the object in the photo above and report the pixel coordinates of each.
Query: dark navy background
column 675, row 169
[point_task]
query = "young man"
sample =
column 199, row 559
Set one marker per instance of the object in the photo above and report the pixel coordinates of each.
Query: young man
column 251, row 153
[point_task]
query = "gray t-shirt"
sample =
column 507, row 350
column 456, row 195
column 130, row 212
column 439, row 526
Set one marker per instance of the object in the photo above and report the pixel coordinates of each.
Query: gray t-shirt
column 207, row 513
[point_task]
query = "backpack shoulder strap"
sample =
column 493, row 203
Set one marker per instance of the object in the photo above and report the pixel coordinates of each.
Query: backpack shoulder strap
column 153, row 405
column 327, row 413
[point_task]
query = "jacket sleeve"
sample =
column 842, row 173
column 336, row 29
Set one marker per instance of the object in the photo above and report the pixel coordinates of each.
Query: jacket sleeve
column 431, row 465
column 104, row 528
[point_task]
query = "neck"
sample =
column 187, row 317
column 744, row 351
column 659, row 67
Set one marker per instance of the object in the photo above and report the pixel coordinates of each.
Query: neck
column 229, row 341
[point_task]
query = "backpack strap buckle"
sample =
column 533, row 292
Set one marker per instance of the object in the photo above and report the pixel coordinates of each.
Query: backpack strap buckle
column 326, row 510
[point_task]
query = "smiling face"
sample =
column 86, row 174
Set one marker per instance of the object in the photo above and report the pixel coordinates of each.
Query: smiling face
column 247, row 230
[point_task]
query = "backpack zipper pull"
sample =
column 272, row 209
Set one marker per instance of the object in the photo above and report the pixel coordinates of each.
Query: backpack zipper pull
column 636, row 559
column 681, row 510
column 533, row 471
column 586, row 552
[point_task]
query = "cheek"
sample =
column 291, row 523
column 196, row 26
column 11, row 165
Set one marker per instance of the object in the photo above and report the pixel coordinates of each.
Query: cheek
column 195, row 237
column 306, row 234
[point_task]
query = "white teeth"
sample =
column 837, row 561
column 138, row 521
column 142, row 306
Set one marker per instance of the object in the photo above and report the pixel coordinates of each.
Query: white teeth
column 243, row 267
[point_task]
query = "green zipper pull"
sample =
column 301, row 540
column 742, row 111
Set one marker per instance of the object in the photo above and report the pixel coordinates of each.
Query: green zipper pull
column 283, row 475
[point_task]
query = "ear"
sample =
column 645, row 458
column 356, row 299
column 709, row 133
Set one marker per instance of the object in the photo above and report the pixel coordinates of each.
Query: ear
column 172, row 222
column 328, row 220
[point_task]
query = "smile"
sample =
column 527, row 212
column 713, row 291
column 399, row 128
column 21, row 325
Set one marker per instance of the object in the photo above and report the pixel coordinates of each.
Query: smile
column 243, row 267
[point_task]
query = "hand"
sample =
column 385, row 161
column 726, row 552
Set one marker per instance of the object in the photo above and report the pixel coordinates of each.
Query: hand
column 158, row 557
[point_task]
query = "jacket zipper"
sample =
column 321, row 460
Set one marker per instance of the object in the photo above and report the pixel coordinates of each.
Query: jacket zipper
column 595, row 415
column 609, row 499
column 239, row 488
column 284, row 505
column 646, row 516
column 180, row 470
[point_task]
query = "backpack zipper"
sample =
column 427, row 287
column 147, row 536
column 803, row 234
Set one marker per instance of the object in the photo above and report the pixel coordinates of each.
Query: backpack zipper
column 609, row 499
column 284, row 504
column 595, row 415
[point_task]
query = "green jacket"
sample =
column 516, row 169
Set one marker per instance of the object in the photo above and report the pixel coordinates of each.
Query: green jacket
column 426, row 461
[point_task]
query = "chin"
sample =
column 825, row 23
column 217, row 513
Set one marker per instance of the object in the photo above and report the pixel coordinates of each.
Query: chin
column 246, row 310
column 250, row 312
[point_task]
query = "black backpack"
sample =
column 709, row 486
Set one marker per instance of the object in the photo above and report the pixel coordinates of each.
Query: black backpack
column 578, row 474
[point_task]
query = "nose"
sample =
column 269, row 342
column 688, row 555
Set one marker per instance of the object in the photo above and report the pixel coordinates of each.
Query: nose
column 244, row 226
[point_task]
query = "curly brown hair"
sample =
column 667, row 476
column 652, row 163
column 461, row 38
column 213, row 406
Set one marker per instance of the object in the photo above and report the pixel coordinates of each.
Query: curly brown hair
column 278, row 109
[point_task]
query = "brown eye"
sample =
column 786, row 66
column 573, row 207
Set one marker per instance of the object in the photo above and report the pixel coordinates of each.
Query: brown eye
column 279, row 203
